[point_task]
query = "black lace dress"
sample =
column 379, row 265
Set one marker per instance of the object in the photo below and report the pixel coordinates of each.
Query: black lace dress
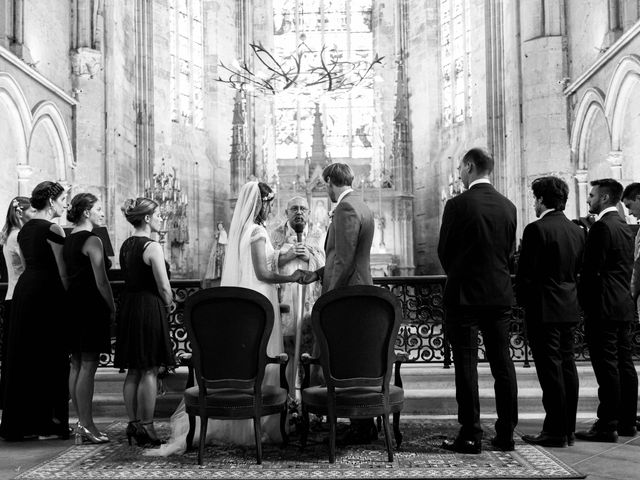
column 142, row 339
column 89, row 316
column 36, row 398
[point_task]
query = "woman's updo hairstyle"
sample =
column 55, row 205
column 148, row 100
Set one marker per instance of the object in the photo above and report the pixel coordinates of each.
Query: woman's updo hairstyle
column 135, row 210
column 44, row 192
column 79, row 204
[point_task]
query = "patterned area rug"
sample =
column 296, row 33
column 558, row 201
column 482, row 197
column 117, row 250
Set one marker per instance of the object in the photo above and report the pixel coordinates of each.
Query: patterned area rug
column 419, row 457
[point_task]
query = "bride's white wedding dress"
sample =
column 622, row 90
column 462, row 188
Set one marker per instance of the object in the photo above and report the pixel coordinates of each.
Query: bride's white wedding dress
column 238, row 432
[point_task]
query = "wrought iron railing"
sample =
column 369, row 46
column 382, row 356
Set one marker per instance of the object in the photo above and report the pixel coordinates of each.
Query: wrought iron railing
column 421, row 335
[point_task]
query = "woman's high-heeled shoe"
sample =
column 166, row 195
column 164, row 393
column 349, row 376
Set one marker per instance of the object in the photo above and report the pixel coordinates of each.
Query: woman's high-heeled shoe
column 100, row 432
column 83, row 433
column 150, row 438
column 133, row 431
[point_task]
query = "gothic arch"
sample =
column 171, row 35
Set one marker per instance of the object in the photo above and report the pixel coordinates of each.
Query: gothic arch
column 622, row 85
column 47, row 115
column 591, row 105
column 17, row 109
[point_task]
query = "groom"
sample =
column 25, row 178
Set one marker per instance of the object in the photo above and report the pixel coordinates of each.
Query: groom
column 347, row 248
column 350, row 235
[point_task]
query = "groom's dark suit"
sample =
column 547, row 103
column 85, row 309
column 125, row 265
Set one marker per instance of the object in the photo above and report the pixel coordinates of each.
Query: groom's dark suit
column 546, row 286
column 476, row 242
column 605, row 295
column 348, row 245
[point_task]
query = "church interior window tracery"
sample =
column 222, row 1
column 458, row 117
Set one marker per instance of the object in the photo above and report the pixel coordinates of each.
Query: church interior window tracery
column 343, row 27
column 455, row 41
column 186, row 75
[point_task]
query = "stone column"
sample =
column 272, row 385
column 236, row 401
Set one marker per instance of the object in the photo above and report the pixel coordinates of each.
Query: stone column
column 582, row 192
column 24, row 174
column 615, row 160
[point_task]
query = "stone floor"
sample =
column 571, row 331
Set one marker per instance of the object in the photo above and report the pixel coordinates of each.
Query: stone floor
column 597, row 460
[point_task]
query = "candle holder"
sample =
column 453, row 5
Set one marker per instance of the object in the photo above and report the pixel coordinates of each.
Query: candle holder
column 166, row 191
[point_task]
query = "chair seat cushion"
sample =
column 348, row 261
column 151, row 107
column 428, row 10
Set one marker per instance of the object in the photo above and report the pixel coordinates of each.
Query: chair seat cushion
column 235, row 398
column 353, row 397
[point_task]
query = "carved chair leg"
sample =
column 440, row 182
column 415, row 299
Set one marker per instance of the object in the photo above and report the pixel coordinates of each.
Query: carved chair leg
column 387, row 437
column 396, row 429
column 191, row 432
column 203, row 438
column 332, row 438
column 257, row 430
column 283, row 425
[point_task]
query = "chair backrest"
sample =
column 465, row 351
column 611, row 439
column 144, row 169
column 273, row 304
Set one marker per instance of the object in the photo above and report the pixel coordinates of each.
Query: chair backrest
column 356, row 328
column 229, row 328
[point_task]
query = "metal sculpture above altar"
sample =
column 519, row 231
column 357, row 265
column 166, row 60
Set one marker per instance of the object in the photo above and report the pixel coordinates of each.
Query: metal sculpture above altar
column 304, row 69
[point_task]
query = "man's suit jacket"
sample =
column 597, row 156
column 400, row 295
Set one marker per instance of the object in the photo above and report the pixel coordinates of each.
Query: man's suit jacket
column 476, row 242
column 550, row 260
column 604, row 288
column 348, row 245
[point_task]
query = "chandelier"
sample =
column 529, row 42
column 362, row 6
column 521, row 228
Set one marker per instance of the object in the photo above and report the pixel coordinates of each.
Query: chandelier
column 166, row 191
column 305, row 70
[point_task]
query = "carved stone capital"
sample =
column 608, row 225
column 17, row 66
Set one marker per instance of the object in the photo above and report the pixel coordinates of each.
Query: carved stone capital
column 86, row 62
column 581, row 176
column 615, row 158
column 24, row 171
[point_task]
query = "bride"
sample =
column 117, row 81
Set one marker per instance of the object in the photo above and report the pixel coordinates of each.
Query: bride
column 255, row 271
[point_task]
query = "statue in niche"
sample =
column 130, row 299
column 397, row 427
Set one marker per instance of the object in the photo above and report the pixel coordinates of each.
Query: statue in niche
column 216, row 258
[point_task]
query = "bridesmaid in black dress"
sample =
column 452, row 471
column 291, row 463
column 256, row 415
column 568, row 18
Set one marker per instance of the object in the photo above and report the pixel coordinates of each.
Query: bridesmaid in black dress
column 36, row 401
column 91, row 308
column 142, row 341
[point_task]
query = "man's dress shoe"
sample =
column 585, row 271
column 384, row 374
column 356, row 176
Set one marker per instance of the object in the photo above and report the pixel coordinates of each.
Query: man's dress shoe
column 462, row 446
column 506, row 445
column 595, row 435
column 545, row 439
column 571, row 439
column 627, row 431
column 358, row 436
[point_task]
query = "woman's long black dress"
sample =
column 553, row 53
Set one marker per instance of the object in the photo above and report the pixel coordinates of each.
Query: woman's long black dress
column 142, row 339
column 89, row 315
column 36, row 400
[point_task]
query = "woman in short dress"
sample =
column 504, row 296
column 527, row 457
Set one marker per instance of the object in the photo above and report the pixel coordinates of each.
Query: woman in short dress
column 36, row 400
column 90, row 307
column 142, row 341
column 19, row 212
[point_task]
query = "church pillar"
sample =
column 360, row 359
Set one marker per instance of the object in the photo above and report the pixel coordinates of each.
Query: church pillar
column 24, row 175
column 88, row 86
column 615, row 24
column 615, row 160
column 16, row 32
column 583, row 192
column 145, row 150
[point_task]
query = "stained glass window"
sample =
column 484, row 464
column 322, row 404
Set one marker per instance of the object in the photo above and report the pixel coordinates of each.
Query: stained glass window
column 455, row 42
column 343, row 28
column 186, row 52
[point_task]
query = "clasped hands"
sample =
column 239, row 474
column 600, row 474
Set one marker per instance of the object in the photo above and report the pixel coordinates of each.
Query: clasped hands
column 304, row 277
column 298, row 250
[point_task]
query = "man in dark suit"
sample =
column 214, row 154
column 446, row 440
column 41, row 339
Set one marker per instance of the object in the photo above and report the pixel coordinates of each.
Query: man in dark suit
column 631, row 200
column 605, row 295
column 348, row 252
column 546, row 286
column 477, row 239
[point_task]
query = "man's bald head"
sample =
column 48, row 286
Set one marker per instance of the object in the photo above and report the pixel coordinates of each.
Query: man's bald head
column 297, row 210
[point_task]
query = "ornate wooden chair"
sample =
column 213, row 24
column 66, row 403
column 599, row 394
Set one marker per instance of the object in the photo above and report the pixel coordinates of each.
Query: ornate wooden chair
column 229, row 329
column 355, row 329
